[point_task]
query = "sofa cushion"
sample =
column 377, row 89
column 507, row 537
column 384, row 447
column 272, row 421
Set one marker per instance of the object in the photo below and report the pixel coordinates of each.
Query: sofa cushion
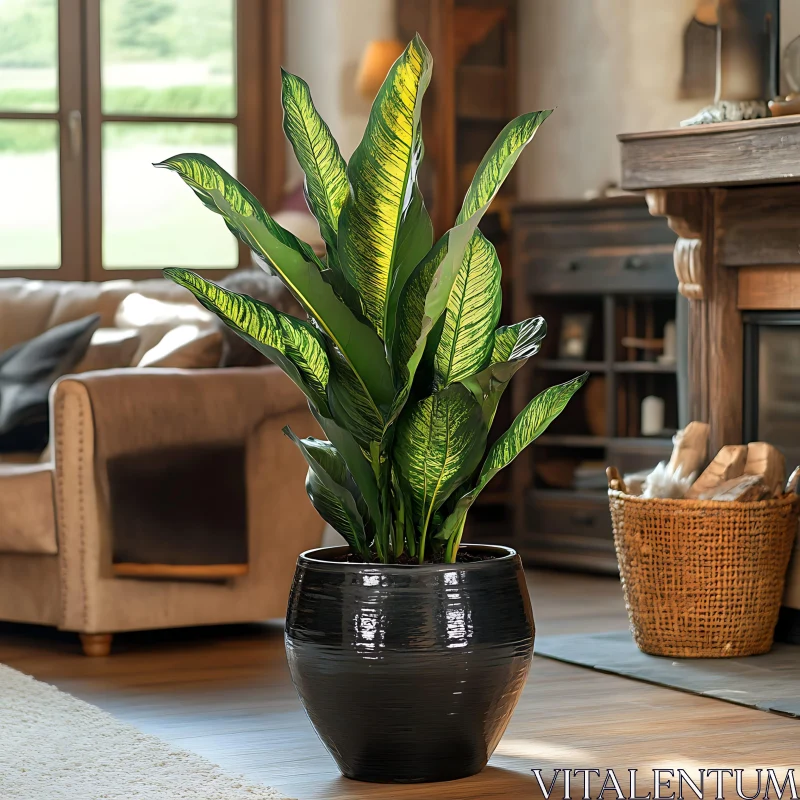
column 110, row 348
column 186, row 347
column 27, row 516
column 153, row 319
column 29, row 307
column 258, row 284
column 27, row 371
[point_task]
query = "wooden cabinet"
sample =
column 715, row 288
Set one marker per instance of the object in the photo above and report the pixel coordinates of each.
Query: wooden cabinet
column 607, row 266
column 471, row 97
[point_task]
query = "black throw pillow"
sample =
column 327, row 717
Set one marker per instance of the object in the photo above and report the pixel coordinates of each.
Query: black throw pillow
column 27, row 371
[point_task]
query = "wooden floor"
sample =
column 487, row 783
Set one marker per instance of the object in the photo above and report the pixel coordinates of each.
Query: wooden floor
column 225, row 693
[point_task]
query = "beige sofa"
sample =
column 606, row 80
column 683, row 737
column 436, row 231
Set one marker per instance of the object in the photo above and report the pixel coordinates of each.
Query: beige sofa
column 59, row 526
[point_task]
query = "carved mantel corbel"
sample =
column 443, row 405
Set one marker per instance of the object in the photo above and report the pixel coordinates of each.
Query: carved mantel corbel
column 684, row 211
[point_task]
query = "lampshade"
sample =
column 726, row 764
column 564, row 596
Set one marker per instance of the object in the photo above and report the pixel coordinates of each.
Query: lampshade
column 706, row 12
column 375, row 63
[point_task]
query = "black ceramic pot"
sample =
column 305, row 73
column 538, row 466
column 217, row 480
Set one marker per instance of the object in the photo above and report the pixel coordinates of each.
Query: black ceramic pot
column 409, row 673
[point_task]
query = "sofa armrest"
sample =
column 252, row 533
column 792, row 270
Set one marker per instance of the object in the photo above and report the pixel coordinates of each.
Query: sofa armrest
column 98, row 418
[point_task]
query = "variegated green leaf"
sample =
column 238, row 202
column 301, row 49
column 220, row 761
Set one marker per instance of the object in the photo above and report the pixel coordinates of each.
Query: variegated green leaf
column 360, row 468
column 332, row 491
column 326, row 185
column 499, row 160
column 425, row 295
column 221, row 193
column 530, row 423
column 292, row 344
column 349, row 404
column 512, row 346
column 384, row 208
column 439, row 442
column 422, row 302
column 413, row 244
column 471, row 316
column 358, row 344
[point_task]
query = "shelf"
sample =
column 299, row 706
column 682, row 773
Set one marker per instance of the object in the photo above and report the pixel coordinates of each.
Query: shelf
column 618, row 442
column 588, row 495
column 632, row 443
column 644, row 367
column 499, row 497
column 568, row 365
column 572, row 441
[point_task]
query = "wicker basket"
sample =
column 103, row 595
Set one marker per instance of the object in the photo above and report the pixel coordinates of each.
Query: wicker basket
column 702, row 578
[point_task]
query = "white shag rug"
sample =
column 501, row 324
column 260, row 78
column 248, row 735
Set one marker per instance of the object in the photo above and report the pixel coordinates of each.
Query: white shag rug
column 56, row 747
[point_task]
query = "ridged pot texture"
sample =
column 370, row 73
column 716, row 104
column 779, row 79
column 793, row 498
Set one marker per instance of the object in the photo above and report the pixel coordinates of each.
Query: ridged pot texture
column 409, row 673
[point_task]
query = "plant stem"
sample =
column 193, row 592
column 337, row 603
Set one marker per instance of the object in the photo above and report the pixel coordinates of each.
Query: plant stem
column 424, row 534
column 454, row 542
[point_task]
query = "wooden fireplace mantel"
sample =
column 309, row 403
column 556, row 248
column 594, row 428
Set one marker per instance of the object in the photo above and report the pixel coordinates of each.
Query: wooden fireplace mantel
column 732, row 194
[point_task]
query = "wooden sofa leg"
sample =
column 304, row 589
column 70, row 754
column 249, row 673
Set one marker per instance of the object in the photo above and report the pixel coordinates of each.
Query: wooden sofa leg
column 96, row 644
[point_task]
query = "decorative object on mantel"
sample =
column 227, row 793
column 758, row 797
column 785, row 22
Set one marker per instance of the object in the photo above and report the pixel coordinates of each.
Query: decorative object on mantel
column 57, row 747
column 747, row 61
column 784, row 106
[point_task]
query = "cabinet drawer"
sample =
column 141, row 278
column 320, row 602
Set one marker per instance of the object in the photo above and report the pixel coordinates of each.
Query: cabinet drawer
column 570, row 518
column 576, row 272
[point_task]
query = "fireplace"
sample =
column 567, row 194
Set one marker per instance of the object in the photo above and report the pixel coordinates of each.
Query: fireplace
column 732, row 194
column 771, row 410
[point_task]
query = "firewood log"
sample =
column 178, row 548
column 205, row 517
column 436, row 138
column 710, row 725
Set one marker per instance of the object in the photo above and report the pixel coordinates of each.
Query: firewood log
column 767, row 461
column 689, row 451
column 745, row 488
column 728, row 463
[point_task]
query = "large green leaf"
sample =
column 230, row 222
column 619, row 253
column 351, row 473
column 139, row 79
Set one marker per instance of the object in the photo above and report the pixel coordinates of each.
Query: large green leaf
column 426, row 293
column 221, row 193
column 471, row 316
column 332, row 491
column 349, row 404
column 439, row 442
column 384, row 229
column 530, row 423
column 512, row 346
column 499, row 160
column 358, row 344
column 357, row 463
column 326, row 186
column 292, row 344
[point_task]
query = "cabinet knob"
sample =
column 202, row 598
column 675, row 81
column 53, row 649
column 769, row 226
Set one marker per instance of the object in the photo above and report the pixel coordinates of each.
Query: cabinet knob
column 571, row 266
column 635, row 263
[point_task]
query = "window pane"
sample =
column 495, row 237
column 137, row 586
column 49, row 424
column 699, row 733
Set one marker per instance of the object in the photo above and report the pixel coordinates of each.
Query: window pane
column 30, row 217
column 28, row 55
column 150, row 217
column 168, row 57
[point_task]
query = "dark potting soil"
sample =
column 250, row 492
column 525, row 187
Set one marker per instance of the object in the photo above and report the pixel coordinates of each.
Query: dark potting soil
column 463, row 557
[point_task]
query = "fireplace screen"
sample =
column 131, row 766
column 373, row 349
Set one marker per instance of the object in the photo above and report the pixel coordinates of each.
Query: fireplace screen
column 772, row 382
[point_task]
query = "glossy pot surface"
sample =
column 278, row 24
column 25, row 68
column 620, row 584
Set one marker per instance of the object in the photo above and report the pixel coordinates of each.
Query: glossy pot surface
column 409, row 673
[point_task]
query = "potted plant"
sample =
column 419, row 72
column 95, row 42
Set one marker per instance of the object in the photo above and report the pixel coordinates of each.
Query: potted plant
column 408, row 648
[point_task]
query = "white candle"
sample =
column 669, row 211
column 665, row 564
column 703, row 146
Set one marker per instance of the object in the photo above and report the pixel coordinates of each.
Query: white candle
column 652, row 415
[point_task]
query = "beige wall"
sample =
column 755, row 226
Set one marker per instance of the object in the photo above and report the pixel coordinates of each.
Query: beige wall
column 609, row 66
column 324, row 43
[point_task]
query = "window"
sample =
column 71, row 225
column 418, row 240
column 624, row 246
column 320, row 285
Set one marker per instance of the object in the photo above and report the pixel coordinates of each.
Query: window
column 92, row 92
